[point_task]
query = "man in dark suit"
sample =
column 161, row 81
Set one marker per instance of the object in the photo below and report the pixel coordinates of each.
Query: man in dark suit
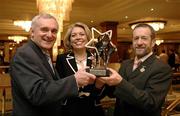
column 143, row 82
column 36, row 87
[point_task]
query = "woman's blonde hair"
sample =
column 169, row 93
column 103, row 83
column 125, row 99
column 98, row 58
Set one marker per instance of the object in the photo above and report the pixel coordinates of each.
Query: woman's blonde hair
column 67, row 36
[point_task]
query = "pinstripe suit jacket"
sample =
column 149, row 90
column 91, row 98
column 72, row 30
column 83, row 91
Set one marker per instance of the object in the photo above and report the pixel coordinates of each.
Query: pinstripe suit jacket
column 36, row 90
column 142, row 92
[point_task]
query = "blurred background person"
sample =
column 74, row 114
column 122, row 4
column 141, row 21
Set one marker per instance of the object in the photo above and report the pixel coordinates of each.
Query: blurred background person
column 163, row 56
column 171, row 59
column 177, row 62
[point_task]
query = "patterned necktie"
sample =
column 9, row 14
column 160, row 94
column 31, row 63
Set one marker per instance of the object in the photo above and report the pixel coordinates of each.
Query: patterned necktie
column 136, row 64
column 49, row 61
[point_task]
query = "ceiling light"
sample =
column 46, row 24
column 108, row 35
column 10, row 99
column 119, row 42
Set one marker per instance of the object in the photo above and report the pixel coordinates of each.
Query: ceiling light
column 17, row 39
column 157, row 25
column 158, row 42
column 26, row 25
column 126, row 17
column 152, row 9
column 60, row 9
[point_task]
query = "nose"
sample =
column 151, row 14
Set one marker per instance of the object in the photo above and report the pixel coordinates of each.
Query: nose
column 49, row 34
column 78, row 36
column 139, row 41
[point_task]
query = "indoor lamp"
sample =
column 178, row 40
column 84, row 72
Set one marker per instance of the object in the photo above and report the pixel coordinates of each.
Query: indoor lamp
column 26, row 25
column 17, row 39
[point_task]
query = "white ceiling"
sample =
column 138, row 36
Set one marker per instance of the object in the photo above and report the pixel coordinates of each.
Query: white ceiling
column 99, row 11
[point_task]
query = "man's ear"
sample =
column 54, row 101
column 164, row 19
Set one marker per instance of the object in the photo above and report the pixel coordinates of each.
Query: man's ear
column 153, row 42
column 31, row 32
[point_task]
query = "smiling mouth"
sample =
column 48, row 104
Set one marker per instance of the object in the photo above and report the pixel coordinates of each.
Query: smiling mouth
column 79, row 42
column 139, row 48
column 49, row 41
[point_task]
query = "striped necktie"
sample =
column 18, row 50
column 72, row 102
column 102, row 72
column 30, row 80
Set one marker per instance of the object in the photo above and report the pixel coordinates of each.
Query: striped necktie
column 136, row 64
column 49, row 61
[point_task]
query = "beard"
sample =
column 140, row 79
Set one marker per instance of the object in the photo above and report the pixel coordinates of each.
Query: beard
column 141, row 52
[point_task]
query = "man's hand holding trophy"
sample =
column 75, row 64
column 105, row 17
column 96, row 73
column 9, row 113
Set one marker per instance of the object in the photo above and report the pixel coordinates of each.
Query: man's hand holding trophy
column 101, row 48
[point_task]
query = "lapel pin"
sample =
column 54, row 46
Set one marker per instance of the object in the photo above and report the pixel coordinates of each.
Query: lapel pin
column 142, row 69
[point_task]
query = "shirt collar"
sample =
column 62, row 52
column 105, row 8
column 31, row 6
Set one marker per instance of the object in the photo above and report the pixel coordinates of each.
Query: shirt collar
column 145, row 57
column 46, row 52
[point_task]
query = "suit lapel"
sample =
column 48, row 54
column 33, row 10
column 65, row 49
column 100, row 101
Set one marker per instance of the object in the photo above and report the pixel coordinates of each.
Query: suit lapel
column 43, row 57
column 71, row 62
column 141, row 70
column 89, row 59
column 129, row 68
column 138, row 72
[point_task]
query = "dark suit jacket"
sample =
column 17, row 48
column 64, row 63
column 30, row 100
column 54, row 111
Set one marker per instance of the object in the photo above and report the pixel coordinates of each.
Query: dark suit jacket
column 142, row 91
column 36, row 90
column 83, row 105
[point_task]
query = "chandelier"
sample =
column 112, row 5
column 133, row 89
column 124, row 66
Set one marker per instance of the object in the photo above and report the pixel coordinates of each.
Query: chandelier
column 26, row 25
column 158, row 42
column 17, row 39
column 60, row 9
column 157, row 25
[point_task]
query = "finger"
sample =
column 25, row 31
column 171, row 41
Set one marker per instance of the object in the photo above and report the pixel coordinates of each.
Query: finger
column 100, row 80
column 104, row 79
column 91, row 75
column 111, row 70
column 91, row 81
column 81, row 70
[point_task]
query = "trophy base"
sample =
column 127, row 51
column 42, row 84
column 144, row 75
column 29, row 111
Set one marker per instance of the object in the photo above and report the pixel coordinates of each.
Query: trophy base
column 98, row 72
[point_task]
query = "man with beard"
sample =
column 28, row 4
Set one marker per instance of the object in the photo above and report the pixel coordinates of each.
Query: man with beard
column 143, row 82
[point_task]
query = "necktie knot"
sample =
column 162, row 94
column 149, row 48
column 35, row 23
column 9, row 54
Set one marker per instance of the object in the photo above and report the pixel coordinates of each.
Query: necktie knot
column 137, row 62
column 49, row 61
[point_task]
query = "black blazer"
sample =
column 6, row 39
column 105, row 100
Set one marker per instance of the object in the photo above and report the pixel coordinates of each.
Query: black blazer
column 142, row 91
column 82, row 105
column 36, row 90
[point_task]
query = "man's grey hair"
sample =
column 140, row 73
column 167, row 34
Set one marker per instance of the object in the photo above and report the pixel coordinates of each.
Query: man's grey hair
column 42, row 15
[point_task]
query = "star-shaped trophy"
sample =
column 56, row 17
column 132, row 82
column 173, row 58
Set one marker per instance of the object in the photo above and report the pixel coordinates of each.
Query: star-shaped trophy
column 101, row 47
